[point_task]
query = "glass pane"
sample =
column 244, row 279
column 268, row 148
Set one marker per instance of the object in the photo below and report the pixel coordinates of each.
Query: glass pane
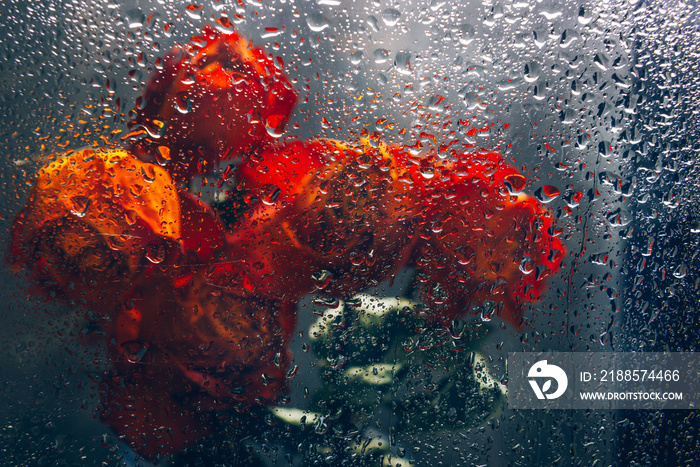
column 285, row 232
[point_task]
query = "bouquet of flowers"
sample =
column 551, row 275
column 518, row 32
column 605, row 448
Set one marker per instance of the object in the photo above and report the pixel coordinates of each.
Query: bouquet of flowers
column 199, row 302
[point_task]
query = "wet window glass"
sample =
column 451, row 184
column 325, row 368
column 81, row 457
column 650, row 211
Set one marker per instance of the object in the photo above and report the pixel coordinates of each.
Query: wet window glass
column 290, row 232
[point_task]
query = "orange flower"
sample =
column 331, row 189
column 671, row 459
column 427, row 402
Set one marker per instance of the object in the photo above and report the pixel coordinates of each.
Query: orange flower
column 92, row 219
column 215, row 98
column 95, row 218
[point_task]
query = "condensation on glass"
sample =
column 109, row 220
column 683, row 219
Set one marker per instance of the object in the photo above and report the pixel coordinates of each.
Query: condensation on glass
column 592, row 104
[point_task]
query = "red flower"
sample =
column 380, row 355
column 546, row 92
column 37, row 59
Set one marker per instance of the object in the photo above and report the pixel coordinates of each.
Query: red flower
column 184, row 349
column 482, row 243
column 92, row 220
column 202, row 237
column 95, row 219
column 334, row 218
column 154, row 408
column 338, row 218
column 230, row 344
column 215, row 98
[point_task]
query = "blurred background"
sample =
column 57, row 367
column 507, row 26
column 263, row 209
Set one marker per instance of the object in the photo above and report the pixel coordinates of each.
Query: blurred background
column 596, row 100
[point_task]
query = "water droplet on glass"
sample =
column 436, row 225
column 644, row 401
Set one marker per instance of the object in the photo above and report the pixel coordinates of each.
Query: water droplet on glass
column 149, row 173
column 473, row 101
column 507, row 84
column 466, row 33
column 115, row 242
column 134, row 351
column 194, row 11
column 427, row 172
column 293, row 371
column 321, row 425
column 680, row 272
column 328, row 302
column 131, row 216
column 135, row 18
column 356, row 57
column 155, row 252
column 464, row 255
column 527, row 265
column 515, row 183
column 619, row 218
column 457, row 328
column 435, row 5
column 373, row 23
column 602, row 61
column 584, row 15
column 553, row 11
column 568, row 37
column 155, row 128
column 272, row 32
column 317, row 22
column 568, row 115
column 163, row 155
column 188, row 78
column 551, row 191
column 539, row 36
column 381, row 56
column 321, row 279
column 391, row 16
column 269, row 194
column 531, row 71
column 547, row 193
column 488, row 310
column 402, row 62
column 81, row 204
column 183, row 103
column 274, row 125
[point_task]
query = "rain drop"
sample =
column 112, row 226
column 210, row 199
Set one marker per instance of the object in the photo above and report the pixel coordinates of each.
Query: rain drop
column 391, row 16
column 317, row 22
column 381, row 56
column 134, row 351
column 155, row 252
column 515, row 183
column 402, row 62
column 356, row 57
column 584, row 15
column 531, row 72
column 274, row 125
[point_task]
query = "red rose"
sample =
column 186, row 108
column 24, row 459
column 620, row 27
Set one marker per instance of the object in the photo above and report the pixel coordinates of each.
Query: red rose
column 230, row 344
column 215, row 98
column 482, row 243
column 184, row 349
column 341, row 221
column 346, row 217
